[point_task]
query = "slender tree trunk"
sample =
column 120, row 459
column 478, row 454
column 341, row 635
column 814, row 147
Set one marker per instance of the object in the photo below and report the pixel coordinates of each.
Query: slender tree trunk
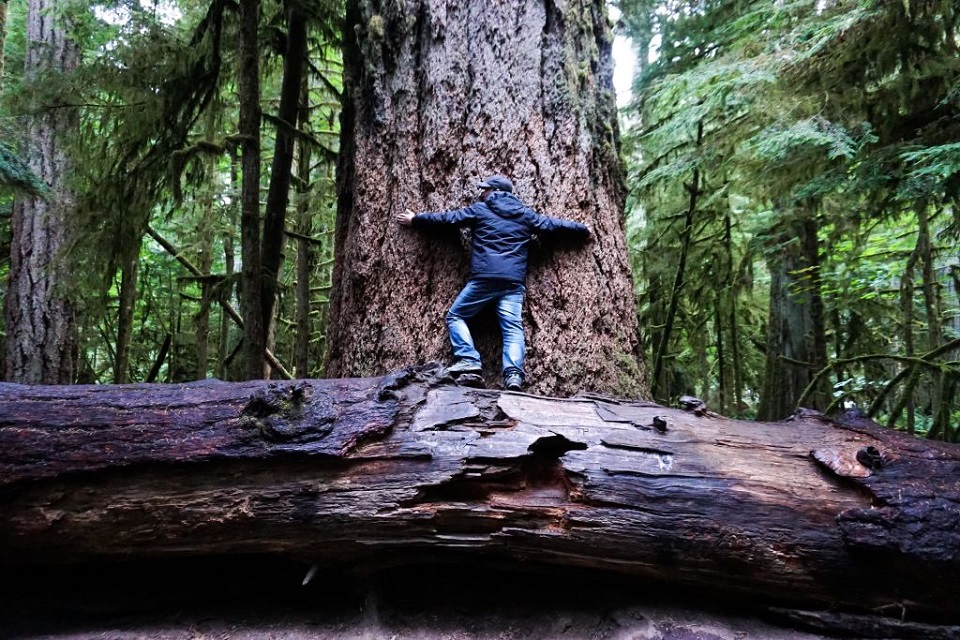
column 254, row 330
column 721, row 359
column 231, row 312
column 226, row 293
column 738, row 383
column 661, row 388
column 305, row 261
column 796, row 347
column 909, row 346
column 129, row 270
column 201, row 324
column 931, row 306
column 41, row 328
column 161, row 357
column 3, row 40
column 727, row 350
column 811, row 252
column 278, row 195
column 176, row 368
column 205, row 264
column 305, row 252
column 437, row 95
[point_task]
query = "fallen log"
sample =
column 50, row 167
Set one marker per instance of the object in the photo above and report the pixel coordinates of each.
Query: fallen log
column 809, row 513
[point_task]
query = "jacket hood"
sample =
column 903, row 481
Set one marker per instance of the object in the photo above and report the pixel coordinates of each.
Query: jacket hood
column 505, row 205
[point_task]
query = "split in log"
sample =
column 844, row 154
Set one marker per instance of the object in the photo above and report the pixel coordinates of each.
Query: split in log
column 810, row 513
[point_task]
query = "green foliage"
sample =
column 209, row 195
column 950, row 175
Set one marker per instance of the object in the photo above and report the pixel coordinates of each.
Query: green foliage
column 851, row 111
column 17, row 176
column 794, row 142
column 155, row 149
column 931, row 170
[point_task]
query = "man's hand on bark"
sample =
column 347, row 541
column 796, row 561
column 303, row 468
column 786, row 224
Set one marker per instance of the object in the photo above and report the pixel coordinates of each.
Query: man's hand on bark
column 405, row 218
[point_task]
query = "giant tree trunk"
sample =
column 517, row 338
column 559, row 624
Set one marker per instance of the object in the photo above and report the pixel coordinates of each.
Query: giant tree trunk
column 438, row 95
column 40, row 324
column 805, row 513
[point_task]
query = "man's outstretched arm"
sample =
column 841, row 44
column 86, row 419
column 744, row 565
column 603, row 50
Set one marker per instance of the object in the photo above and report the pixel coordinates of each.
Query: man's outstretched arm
column 457, row 217
column 560, row 228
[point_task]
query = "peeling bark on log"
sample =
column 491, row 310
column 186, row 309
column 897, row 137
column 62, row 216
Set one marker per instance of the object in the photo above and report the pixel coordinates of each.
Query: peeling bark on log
column 808, row 513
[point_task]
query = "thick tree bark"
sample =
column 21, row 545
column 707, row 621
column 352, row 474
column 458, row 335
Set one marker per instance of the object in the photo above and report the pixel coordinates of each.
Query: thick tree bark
column 41, row 337
column 438, row 95
column 805, row 513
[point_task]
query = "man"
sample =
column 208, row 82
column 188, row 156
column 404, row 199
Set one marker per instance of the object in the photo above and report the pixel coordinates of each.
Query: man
column 502, row 228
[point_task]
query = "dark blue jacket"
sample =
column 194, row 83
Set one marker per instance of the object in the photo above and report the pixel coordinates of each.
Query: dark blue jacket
column 502, row 227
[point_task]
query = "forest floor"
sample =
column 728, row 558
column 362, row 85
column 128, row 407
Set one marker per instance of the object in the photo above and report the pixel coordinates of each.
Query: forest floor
column 264, row 598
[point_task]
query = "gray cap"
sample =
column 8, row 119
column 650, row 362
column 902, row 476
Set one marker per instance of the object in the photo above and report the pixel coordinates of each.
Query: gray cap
column 500, row 183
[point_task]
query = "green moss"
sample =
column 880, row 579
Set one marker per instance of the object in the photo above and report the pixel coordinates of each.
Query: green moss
column 376, row 27
column 631, row 378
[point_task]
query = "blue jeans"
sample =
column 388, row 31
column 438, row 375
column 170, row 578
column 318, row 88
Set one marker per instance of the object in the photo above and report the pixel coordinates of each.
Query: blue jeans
column 475, row 296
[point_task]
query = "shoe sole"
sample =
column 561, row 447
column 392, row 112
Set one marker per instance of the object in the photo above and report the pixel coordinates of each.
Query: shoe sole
column 469, row 380
column 462, row 372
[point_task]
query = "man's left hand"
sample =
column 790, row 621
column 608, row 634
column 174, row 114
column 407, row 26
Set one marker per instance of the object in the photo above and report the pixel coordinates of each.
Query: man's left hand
column 405, row 218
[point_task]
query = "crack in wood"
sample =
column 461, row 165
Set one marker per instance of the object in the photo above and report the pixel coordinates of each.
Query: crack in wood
column 554, row 446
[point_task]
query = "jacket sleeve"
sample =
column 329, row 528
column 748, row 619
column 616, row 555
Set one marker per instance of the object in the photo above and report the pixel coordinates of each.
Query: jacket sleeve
column 456, row 217
column 559, row 228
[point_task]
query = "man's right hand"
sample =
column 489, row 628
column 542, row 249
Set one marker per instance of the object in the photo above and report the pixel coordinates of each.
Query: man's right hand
column 405, row 218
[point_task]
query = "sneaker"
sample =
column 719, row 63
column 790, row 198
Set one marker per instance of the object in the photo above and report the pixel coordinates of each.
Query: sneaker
column 463, row 366
column 513, row 382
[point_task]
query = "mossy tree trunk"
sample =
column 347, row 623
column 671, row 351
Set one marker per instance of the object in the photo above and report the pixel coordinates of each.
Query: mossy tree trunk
column 438, row 95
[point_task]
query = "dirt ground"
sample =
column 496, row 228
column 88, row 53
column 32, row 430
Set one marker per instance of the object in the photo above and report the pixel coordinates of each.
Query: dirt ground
column 264, row 598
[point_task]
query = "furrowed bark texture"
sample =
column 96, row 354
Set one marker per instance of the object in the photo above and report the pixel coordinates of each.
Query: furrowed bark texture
column 41, row 333
column 438, row 95
column 807, row 512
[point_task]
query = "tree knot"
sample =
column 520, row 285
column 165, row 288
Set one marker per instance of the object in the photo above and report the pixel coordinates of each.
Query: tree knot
column 279, row 411
column 276, row 398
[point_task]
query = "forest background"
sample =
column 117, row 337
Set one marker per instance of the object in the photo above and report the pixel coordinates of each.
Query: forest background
column 793, row 173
